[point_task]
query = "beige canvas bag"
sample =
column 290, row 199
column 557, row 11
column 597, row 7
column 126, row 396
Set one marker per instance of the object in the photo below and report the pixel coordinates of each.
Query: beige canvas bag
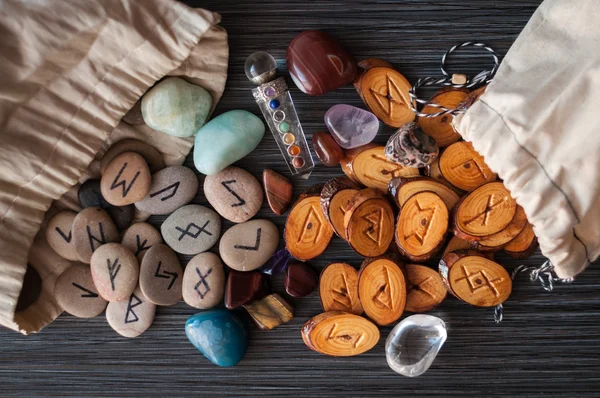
column 537, row 126
column 70, row 70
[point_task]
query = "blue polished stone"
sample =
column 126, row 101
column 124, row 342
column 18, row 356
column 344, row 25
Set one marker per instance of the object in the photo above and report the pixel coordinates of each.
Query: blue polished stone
column 274, row 104
column 277, row 263
column 219, row 335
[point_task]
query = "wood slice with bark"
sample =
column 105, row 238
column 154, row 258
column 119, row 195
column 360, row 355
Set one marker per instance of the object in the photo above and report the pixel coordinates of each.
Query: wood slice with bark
column 335, row 196
column 464, row 167
column 340, row 334
column 433, row 171
column 498, row 240
column 371, row 168
column 524, row 244
column 382, row 289
column 384, row 91
column 440, row 128
column 485, row 211
column 472, row 98
column 402, row 188
column 369, row 223
column 307, row 232
column 338, row 288
column 455, row 243
column 349, row 155
column 474, row 279
column 425, row 289
column 422, row 226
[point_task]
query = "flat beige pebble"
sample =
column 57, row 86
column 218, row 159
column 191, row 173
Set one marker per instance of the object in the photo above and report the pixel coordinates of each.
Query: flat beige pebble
column 152, row 157
column 171, row 188
column 139, row 238
column 115, row 271
column 234, row 193
column 92, row 228
column 191, row 229
column 204, row 281
column 126, row 179
column 161, row 275
column 131, row 317
column 76, row 293
column 60, row 236
column 247, row 246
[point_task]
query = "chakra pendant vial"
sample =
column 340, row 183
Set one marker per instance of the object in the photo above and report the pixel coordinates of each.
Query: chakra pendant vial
column 275, row 102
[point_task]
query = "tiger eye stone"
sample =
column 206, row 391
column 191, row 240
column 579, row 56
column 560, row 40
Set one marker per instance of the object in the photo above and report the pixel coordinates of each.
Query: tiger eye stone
column 327, row 150
column 243, row 287
column 318, row 63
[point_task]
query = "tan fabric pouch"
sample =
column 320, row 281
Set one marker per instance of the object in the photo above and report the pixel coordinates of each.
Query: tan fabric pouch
column 69, row 71
column 537, row 126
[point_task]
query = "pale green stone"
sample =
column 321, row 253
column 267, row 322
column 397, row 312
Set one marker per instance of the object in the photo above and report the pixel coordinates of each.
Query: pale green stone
column 176, row 107
column 226, row 139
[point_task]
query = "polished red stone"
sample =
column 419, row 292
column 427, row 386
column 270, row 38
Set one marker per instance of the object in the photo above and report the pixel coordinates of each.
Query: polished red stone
column 318, row 63
column 300, row 279
column 327, row 150
column 243, row 287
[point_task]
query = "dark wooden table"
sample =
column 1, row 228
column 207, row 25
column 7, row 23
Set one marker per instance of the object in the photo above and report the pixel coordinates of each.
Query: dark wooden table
column 548, row 344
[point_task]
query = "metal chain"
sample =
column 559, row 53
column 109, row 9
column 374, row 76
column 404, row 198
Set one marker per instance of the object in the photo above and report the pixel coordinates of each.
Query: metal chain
column 544, row 274
column 483, row 77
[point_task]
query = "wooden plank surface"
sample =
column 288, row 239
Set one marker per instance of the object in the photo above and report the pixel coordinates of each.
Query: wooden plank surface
column 548, row 344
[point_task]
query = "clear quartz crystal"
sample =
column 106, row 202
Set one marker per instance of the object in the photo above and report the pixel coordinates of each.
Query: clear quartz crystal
column 413, row 344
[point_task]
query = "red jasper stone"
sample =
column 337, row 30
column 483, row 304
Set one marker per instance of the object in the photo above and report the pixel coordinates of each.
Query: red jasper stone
column 243, row 287
column 300, row 279
column 318, row 63
column 327, row 150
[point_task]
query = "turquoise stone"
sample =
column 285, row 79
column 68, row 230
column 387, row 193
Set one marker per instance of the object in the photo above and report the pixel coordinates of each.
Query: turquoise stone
column 226, row 139
column 176, row 107
column 219, row 335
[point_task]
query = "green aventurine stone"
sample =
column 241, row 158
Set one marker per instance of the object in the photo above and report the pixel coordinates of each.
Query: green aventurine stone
column 226, row 139
column 176, row 107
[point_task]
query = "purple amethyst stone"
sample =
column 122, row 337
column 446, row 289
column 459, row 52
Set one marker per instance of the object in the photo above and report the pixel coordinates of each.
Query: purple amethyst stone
column 350, row 126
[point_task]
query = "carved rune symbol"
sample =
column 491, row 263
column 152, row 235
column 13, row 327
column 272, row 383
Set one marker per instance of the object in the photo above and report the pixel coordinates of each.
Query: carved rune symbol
column 384, row 293
column 64, row 236
column 141, row 246
column 353, row 338
column 426, row 215
column 202, row 282
column 123, row 183
column 485, row 214
column 241, row 201
column 375, row 221
column 386, row 168
column 113, row 270
column 256, row 245
column 195, row 235
column 421, row 287
column 392, row 95
column 342, row 295
column 89, row 293
column 130, row 306
column 467, row 164
column 480, row 280
column 93, row 239
column 173, row 188
column 311, row 229
column 165, row 275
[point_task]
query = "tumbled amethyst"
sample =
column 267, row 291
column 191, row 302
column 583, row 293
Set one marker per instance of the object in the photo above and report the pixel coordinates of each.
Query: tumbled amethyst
column 350, row 126
column 277, row 263
column 410, row 146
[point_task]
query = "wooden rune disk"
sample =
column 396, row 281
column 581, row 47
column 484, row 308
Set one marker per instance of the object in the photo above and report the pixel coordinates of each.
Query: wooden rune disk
column 348, row 158
column 424, row 288
column 385, row 92
column 340, row 334
column 472, row 98
column 464, row 168
column 422, row 226
column 369, row 223
column 498, row 240
column 335, row 196
column 475, row 279
column 338, row 288
column 307, row 232
column 371, row 168
column 524, row 244
column 402, row 188
column 433, row 171
column 456, row 243
column 487, row 210
column 382, row 289
column 440, row 128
